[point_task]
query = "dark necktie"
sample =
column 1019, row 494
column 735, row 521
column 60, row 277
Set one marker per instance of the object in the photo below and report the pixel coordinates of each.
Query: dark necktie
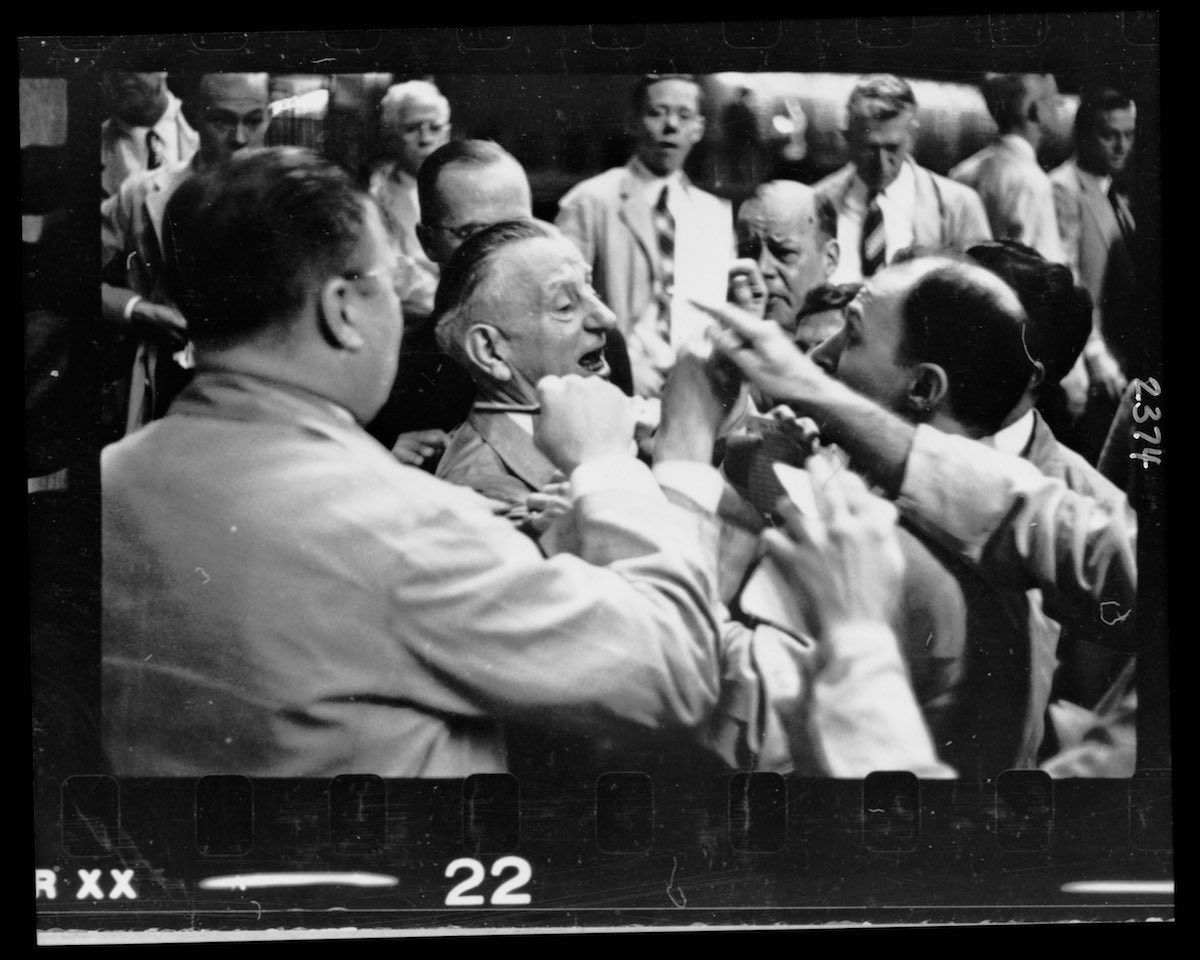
column 664, row 227
column 1124, row 217
column 154, row 150
column 874, row 243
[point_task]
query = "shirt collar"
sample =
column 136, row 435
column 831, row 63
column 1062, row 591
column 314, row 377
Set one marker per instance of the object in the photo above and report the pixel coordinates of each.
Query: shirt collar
column 1014, row 439
column 676, row 180
column 1101, row 183
column 1020, row 145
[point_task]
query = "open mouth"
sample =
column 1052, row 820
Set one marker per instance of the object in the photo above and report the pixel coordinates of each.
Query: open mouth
column 594, row 364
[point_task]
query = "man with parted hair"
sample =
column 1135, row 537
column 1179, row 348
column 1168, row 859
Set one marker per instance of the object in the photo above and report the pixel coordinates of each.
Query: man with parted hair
column 1015, row 190
column 652, row 238
column 230, row 112
column 1098, row 232
column 414, row 121
column 885, row 201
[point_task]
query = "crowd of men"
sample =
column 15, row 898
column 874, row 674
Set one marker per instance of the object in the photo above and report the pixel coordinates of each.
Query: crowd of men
column 415, row 484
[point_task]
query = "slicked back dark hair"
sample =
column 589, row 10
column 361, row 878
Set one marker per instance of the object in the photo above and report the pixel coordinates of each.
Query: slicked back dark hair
column 637, row 100
column 1095, row 101
column 967, row 329
column 467, row 153
column 247, row 239
column 1059, row 312
column 467, row 269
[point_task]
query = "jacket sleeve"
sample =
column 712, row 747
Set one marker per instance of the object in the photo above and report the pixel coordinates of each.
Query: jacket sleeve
column 622, row 634
column 970, row 224
column 1027, row 530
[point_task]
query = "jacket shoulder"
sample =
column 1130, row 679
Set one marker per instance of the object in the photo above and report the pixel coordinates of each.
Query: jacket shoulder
column 600, row 187
column 835, row 182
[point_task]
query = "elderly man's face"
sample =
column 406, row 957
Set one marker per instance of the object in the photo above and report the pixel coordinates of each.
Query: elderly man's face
column 139, row 99
column 1108, row 145
column 470, row 199
column 865, row 353
column 669, row 126
column 420, row 129
column 880, row 147
column 233, row 114
column 539, row 295
column 781, row 233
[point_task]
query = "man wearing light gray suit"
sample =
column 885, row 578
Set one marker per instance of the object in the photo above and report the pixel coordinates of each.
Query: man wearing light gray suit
column 651, row 237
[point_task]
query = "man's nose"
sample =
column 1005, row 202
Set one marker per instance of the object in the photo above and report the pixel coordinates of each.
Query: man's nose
column 241, row 135
column 825, row 355
column 670, row 124
column 600, row 317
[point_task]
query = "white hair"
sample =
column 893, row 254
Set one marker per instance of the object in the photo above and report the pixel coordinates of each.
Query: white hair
column 399, row 97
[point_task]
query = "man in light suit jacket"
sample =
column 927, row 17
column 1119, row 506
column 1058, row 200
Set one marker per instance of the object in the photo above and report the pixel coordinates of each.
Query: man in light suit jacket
column 145, row 130
column 283, row 598
column 1098, row 232
column 231, row 112
column 1006, row 174
column 886, row 202
column 619, row 219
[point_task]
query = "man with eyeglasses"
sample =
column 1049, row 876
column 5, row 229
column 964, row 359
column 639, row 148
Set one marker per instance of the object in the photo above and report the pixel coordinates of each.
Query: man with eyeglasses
column 414, row 120
column 653, row 239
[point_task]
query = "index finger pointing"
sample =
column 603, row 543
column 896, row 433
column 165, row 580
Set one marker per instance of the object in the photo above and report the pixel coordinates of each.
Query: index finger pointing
column 744, row 324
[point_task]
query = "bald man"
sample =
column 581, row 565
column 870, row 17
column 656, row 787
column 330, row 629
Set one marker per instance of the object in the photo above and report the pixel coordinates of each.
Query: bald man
column 790, row 232
column 230, row 112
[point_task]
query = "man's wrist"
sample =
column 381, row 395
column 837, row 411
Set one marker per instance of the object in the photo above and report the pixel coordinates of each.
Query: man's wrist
column 130, row 305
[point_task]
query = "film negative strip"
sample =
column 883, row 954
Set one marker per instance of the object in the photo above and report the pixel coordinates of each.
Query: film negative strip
column 669, row 838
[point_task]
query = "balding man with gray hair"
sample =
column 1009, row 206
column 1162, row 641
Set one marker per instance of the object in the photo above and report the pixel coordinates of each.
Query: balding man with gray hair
column 790, row 231
column 414, row 120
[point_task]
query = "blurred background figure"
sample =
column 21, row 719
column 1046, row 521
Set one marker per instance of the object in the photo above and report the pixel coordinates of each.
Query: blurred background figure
column 414, row 120
column 1015, row 190
column 145, row 129
column 1099, row 235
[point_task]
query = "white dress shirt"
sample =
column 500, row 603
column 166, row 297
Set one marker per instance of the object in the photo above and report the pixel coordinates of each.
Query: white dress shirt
column 898, row 204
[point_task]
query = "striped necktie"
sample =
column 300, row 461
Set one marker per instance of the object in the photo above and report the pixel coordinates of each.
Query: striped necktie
column 664, row 227
column 874, row 243
column 1124, row 217
column 154, row 150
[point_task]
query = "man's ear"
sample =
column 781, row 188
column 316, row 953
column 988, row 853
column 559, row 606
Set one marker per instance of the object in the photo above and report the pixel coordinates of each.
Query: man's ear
column 928, row 388
column 337, row 314
column 830, row 257
column 1038, row 375
column 700, row 126
column 486, row 351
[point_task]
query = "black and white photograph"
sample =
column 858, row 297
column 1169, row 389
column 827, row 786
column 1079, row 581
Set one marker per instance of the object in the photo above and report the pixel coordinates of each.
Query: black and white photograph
column 597, row 477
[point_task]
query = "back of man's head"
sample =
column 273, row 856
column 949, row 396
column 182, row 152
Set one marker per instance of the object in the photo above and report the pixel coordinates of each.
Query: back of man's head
column 880, row 97
column 467, row 270
column 478, row 154
column 251, row 241
column 1011, row 98
column 967, row 321
column 1059, row 313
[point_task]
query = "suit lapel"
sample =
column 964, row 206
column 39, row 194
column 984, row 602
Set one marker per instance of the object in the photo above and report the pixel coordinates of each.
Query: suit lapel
column 515, row 448
column 636, row 216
